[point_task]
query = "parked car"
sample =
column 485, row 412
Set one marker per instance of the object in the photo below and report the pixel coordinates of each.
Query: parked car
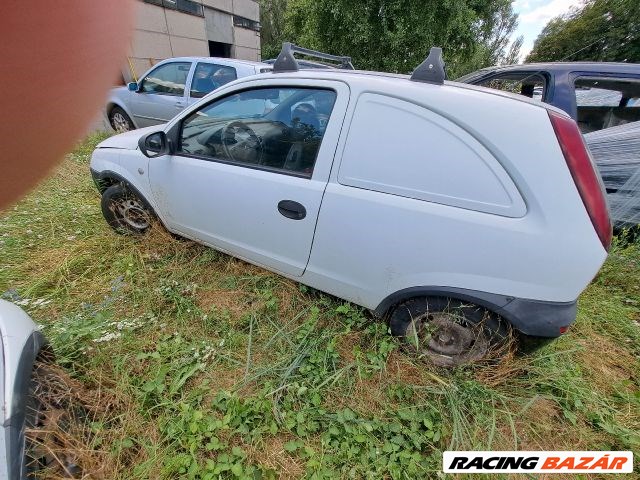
column 170, row 86
column 20, row 346
column 419, row 199
column 597, row 95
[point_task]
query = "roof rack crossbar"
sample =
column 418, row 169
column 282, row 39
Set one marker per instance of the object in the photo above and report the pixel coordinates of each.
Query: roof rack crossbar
column 286, row 62
column 432, row 70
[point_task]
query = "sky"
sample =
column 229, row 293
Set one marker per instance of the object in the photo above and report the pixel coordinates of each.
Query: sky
column 534, row 15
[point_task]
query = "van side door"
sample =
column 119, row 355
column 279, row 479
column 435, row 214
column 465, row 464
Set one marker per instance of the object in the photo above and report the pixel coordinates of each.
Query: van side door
column 251, row 167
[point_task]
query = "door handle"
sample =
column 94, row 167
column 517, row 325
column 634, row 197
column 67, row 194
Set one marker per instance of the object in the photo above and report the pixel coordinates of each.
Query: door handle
column 291, row 209
column 180, row 105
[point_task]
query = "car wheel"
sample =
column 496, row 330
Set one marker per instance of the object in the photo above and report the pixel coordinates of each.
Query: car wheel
column 120, row 121
column 446, row 331
column 124, row 211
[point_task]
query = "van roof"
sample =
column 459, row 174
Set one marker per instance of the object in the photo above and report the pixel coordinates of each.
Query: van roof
column 343, row 74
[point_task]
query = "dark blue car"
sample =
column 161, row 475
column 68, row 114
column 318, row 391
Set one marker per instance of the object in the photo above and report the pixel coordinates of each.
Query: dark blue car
column 596, row 94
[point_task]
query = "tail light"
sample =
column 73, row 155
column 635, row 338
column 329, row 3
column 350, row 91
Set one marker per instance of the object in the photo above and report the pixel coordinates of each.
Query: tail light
column 584, row 175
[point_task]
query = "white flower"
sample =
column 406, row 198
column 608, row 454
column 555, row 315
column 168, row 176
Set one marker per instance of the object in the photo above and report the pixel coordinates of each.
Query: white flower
column 108, row 337
column 39, row 302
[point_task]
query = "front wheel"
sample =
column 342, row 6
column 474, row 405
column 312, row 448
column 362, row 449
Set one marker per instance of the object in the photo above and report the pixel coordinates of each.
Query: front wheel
column 120, row 121
column 448, row 332
column 124, row 211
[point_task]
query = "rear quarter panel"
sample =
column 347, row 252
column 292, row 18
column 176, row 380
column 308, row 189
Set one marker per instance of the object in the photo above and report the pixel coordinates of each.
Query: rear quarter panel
column 369, row 244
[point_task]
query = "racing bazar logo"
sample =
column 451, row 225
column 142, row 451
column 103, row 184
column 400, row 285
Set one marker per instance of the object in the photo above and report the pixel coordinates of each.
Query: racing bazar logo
column 537, row 462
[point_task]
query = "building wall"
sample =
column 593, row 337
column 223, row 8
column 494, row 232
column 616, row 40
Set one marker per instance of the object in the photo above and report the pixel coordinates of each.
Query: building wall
column 163, row 33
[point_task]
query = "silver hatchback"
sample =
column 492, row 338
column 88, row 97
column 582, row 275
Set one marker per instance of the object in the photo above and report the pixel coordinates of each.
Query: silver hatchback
column 170, row 86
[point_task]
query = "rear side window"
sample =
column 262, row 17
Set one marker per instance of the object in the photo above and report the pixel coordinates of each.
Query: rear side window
column 167, row 79
column 403, row 149
column 606, row 102
column 532, row 85
column 209, row 76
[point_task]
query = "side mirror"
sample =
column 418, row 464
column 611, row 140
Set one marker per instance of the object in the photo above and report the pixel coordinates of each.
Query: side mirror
column 132, row 86
column 154, row 144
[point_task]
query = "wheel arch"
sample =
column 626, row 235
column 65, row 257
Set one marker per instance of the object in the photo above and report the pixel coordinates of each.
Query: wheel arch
column 108, row 178
column 114, row 102
column 531, row 317
column 489, row 301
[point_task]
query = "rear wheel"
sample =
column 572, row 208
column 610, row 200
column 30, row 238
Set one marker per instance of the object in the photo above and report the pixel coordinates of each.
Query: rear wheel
column 124, row 211
column 448, row 332
column 119, row 120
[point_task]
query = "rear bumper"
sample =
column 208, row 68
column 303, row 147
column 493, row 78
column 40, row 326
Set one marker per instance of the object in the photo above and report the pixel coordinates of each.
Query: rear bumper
column 531, row 317
column 539, row 319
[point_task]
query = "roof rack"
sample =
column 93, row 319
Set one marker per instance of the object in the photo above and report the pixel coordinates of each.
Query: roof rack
column 286, row 62
column 432, row 70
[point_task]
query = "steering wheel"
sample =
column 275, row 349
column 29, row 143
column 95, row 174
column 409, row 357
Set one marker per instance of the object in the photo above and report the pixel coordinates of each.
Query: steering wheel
column 240, row 143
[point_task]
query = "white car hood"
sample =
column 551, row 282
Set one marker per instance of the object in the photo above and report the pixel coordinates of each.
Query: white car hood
column 129, row 140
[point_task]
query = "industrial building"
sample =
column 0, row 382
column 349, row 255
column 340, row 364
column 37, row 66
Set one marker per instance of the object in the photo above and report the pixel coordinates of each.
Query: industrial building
column 173, row 28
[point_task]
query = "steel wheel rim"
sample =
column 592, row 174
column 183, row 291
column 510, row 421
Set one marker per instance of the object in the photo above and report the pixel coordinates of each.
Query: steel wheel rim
column 446, row 339
column 132, row 213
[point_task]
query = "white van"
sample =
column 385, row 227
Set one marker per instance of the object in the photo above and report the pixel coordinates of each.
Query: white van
column 454, row 211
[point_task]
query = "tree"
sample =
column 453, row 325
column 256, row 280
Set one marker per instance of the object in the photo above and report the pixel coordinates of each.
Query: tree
column 396, row 35
column 272, row 17
column 513, row 55
column 599, row 30
column 496, row 32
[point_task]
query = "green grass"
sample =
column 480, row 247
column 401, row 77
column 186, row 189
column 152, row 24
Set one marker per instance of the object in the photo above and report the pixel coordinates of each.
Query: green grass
column 180, row 361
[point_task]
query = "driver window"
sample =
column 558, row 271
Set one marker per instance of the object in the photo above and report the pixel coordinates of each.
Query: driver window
column 276, row 129
column 167, row 79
